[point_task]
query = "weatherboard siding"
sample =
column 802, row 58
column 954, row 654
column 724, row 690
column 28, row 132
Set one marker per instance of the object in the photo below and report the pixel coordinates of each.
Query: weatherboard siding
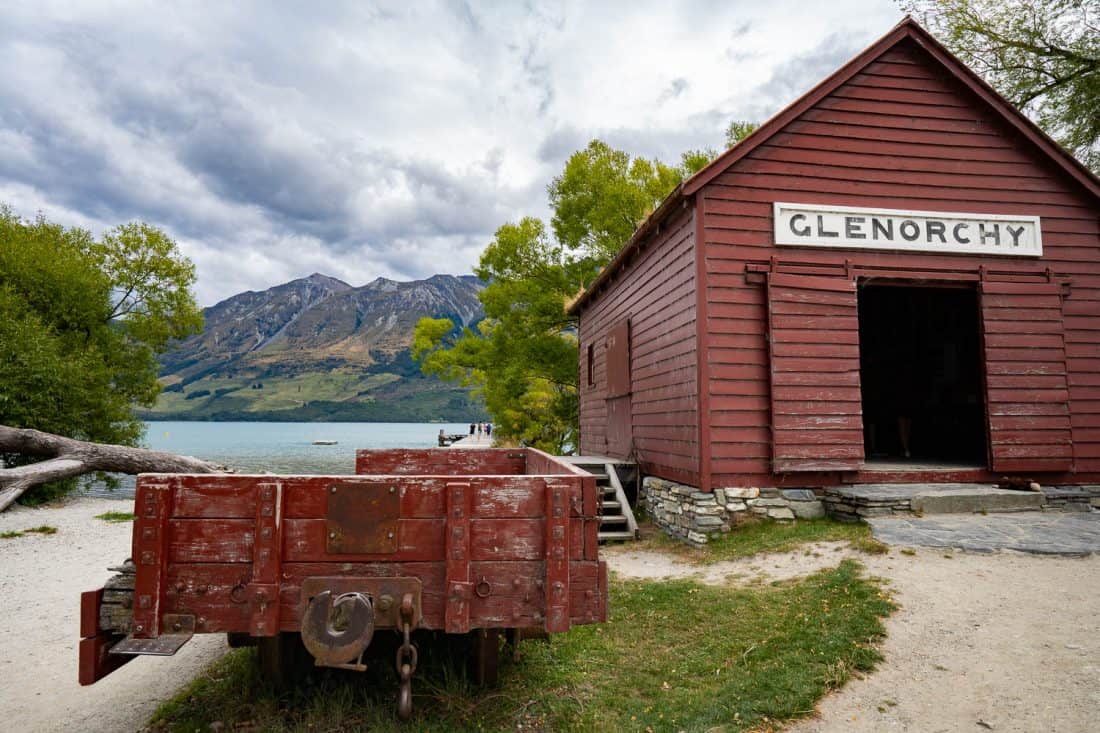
column 901, row 134
column 657, row 294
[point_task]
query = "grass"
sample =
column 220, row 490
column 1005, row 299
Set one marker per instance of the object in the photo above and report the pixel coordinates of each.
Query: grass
column 42, row 529
column 766, row 535
column 116, row 516
column 675, row 655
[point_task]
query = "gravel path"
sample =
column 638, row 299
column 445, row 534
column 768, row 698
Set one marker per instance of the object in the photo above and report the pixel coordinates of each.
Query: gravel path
column 1002, row 641
column 41, row 578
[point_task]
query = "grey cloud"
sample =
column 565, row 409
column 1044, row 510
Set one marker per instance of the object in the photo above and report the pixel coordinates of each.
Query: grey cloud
column 538, row 75
column 675, row 88
column 560, row 144
column 357, row 141
column 791, row 79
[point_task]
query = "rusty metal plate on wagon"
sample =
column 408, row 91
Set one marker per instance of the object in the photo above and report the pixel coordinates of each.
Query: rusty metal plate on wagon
column 182, row 629
column 362, row 519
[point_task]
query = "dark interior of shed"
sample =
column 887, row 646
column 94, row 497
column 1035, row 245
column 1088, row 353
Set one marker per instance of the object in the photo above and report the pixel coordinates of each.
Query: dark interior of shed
column 921, row 374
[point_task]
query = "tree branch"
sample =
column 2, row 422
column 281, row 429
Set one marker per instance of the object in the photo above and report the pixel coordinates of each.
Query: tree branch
column 69, row 458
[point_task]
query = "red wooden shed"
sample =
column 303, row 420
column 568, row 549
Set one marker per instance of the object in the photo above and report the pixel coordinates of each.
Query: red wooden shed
column 896, row 278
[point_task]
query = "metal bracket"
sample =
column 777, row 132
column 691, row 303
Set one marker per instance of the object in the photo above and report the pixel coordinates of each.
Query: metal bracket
column 182, row 628
column 385, row 595
column 264, row 600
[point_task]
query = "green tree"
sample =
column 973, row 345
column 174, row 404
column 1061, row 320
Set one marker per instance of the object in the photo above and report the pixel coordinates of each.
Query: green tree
column 738, row 130
column 603, row 194
column 694, row 161
column 523, row 356
column 81, row 323
column 1042, row 55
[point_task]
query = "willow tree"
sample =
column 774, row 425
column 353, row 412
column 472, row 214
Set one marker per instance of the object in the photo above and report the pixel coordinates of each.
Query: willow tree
column 1041, row 55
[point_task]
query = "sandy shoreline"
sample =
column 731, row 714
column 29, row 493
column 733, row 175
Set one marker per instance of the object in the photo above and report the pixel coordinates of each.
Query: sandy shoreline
column 41, row 578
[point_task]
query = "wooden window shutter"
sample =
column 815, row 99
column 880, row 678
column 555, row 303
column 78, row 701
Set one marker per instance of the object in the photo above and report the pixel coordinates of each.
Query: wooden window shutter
column 618, row 360
column 817, row 416
column 1027, row 394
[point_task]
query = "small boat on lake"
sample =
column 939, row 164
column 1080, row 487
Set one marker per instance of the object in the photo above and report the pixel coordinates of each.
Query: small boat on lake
column 325, row 442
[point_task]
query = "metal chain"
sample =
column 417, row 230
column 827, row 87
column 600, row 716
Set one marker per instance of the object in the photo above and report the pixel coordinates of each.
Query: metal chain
column 407, row 657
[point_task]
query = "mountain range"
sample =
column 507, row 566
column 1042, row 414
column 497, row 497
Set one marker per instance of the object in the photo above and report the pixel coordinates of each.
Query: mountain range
column 318, row 348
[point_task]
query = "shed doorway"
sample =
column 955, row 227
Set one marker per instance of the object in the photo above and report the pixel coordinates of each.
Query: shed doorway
column 921, row 376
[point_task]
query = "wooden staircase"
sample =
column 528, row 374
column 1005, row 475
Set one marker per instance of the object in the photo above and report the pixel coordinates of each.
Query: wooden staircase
column 617, row 520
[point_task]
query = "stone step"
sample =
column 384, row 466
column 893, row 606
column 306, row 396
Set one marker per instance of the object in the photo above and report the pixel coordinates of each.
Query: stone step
column 616, row 535
column 608, row 504
column 612, row 519
column 975, row 499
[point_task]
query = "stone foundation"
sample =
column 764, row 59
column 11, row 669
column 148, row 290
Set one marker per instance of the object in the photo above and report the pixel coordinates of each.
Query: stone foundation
column 854, row 503
column 1071, row 498
column 692, row 515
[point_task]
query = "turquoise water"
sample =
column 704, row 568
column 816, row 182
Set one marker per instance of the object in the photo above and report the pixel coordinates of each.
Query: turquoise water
column 283, row 447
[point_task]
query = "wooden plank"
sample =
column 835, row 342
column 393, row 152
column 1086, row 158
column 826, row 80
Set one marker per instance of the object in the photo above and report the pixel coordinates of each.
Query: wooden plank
column 458, row 555
column 267, row 549
column 1032, row 436
column 95, row 662
column 557, row 544
column 584, row 588
column 228, row 497
column 507, row 594
column 153, row 508
column 440, row 461
column 89, row 612
column 214, row 592
column 1051, row 454
column 816, row 422
column 422, row 497
column 513, row 539
column 210, row 540
column 507, row 497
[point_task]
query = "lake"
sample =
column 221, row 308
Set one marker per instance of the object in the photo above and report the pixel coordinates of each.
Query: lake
column 283, row 447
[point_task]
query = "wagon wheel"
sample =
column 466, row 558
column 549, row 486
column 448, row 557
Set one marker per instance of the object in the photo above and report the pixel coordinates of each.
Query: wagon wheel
column 284, row 661
column 483, row 656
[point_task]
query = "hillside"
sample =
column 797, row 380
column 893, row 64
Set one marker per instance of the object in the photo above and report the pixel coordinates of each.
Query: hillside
column 318, row 348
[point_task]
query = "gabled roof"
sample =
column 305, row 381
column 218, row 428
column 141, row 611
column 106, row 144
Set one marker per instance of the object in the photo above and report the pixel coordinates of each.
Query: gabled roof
column 908, row 28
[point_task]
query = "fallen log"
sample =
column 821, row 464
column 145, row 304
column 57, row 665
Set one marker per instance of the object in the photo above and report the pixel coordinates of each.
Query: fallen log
column 68, row 458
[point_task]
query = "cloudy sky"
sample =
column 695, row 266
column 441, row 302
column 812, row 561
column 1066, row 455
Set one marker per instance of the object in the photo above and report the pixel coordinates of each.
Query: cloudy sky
column 272, row 140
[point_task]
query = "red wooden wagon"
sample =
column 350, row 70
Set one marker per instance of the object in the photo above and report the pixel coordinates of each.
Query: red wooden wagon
column 462, row 542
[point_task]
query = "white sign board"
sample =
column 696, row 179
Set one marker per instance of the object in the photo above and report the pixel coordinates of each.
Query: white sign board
column 810, row 225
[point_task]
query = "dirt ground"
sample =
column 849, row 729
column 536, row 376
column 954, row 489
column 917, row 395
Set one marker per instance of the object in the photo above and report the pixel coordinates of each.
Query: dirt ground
column 1002, row 642
column 41, row 578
